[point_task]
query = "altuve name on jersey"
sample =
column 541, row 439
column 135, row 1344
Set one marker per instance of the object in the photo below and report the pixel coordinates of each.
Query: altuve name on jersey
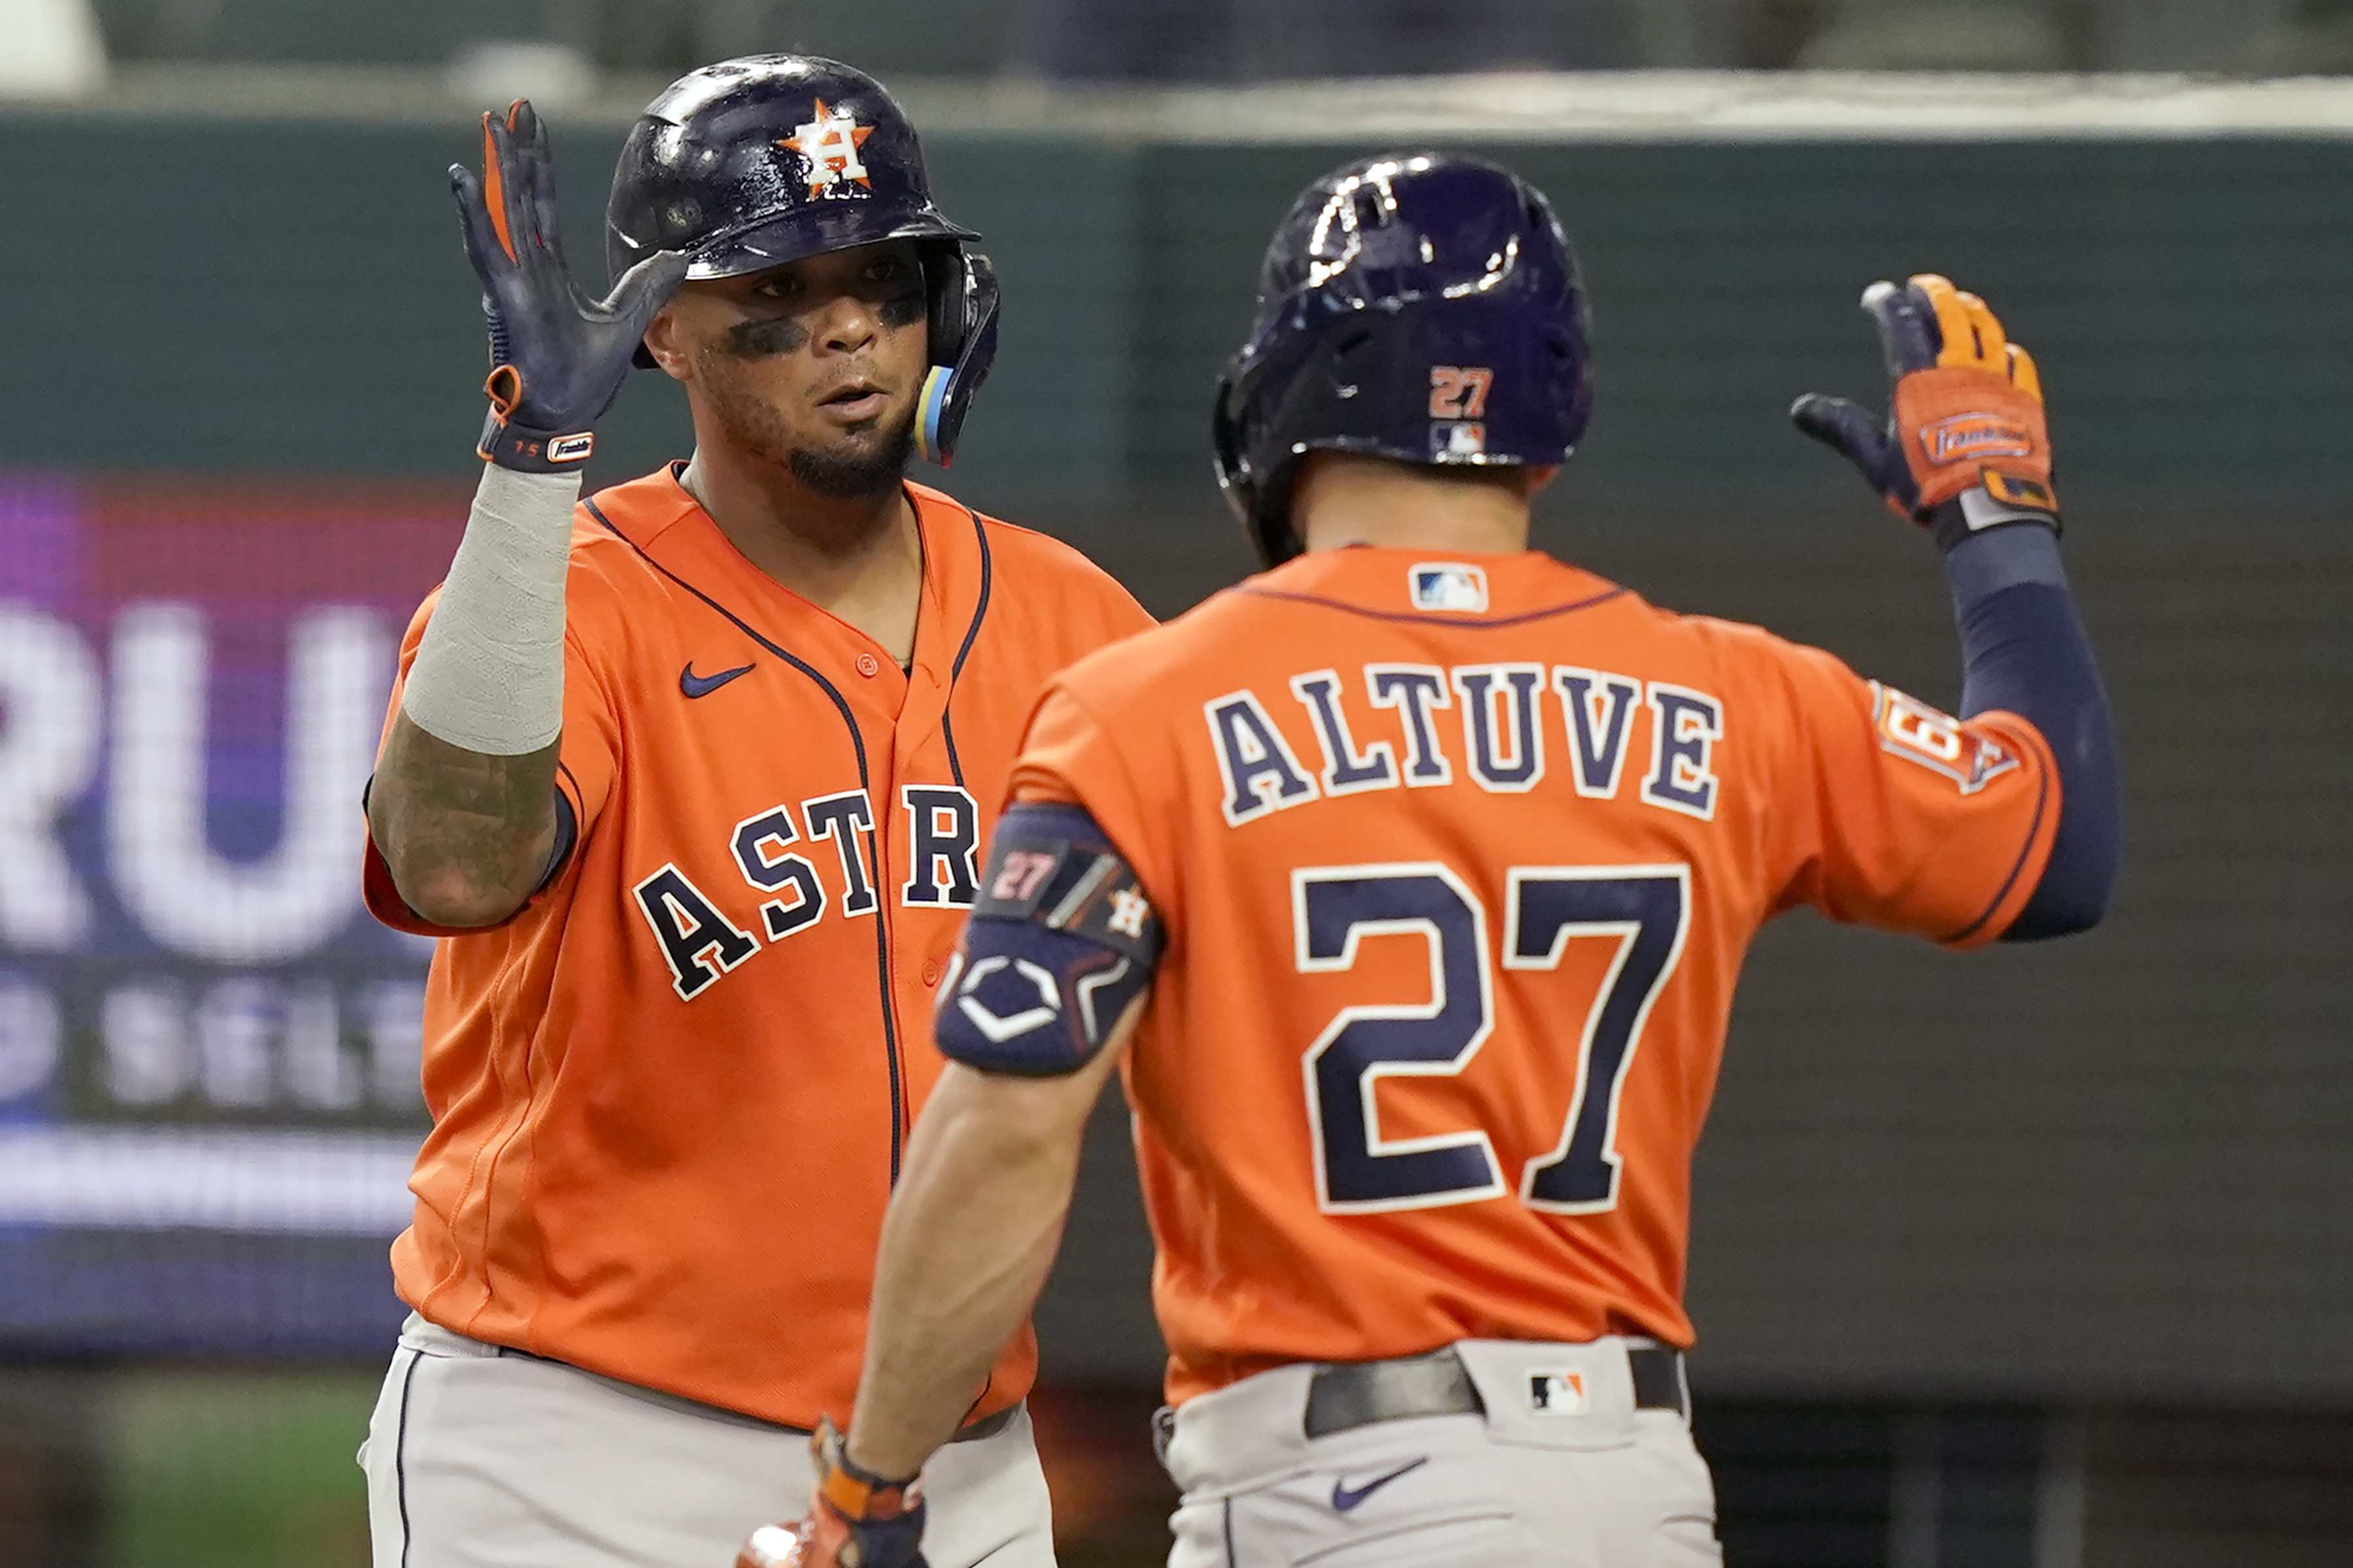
column 701, row 942
column 1503, row 728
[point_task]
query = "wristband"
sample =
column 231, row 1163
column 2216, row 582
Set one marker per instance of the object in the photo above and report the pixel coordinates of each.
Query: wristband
column 1987, row 506
column 529, row 451
column 522, row 447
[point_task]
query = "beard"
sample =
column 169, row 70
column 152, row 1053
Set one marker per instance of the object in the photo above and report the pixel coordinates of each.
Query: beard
column 854, row 466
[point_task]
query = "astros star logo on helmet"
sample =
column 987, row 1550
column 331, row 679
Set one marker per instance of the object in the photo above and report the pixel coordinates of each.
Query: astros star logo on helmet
column 829, row 141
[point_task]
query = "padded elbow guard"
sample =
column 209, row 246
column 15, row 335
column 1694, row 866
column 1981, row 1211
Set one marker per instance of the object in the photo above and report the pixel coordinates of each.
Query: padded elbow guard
column 1060, row 940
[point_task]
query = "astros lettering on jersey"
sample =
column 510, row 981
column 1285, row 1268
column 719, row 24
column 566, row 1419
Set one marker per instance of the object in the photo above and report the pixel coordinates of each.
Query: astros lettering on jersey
column 1458, row 861
column 670, row 1095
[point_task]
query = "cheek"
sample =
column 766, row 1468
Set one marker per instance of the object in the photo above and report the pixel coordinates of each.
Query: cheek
column 904, row 348
column 772, row 379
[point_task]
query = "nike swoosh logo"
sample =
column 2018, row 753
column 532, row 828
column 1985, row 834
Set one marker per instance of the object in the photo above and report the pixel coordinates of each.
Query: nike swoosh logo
column 695, row 685
column 1344, row 1498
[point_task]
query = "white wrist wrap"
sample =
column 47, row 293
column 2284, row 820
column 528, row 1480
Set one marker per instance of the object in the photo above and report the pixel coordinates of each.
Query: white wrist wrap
column 488, row 674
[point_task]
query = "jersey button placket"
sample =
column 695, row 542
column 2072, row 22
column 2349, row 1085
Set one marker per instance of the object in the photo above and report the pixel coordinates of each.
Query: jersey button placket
column 868, row 665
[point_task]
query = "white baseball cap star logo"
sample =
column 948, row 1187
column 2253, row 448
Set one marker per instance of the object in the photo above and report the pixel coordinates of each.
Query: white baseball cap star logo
column 830, row 142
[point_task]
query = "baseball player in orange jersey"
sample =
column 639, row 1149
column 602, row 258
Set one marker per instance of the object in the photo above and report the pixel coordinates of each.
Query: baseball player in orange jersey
column 691, row 778
column 1428, row 863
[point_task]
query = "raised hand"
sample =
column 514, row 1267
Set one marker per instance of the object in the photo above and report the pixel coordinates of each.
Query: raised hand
column 1964, row 446
column 558, row 356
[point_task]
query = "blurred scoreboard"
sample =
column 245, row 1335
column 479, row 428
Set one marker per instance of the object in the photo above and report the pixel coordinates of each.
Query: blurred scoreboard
column 208, row 1050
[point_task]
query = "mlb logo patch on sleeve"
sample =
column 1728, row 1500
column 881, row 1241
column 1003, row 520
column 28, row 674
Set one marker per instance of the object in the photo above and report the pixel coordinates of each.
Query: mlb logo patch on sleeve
column 1450, row 587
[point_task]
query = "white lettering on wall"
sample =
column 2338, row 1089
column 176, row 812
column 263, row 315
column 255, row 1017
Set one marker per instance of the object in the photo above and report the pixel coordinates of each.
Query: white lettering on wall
column 49, row 716
column 31, row 1037
column 179, row 890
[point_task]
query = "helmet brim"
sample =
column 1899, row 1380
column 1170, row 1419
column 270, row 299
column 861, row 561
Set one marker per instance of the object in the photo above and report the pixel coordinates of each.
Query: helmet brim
column 804, row 234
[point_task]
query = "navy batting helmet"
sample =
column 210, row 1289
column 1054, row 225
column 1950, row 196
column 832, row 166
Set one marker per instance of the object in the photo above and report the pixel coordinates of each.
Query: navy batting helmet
column 1423, row 306
column 753, row 162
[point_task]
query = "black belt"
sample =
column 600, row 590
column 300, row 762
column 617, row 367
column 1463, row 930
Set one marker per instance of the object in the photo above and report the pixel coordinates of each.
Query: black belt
column 1349, row 1395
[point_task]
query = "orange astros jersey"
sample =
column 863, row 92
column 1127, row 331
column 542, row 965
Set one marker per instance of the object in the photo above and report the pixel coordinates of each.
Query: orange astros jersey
column 670, row 1095
column 1458, row 861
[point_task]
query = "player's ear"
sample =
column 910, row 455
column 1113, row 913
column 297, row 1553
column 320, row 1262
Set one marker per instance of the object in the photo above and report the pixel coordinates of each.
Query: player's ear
column 1538, row 477
column 666, row 342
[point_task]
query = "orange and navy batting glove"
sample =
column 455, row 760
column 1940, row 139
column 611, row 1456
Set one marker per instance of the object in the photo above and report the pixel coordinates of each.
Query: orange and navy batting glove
column 854, row 1520
column 557, row 357
column 1965, row 447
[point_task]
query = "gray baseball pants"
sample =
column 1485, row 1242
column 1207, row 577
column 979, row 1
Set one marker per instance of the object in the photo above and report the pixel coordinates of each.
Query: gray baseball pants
column 1560, row 1470
column 478, row 1458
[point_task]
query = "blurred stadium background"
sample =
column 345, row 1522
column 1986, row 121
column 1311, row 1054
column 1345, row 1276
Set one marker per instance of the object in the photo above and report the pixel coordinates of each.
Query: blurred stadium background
column 2044, row 1260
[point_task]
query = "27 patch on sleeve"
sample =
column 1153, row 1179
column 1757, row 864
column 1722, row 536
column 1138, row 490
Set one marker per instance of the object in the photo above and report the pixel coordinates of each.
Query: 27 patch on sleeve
column 1910, row 728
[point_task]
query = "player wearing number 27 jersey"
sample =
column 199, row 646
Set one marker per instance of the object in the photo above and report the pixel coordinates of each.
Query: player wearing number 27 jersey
column 1486, row 841
column 1411, row 880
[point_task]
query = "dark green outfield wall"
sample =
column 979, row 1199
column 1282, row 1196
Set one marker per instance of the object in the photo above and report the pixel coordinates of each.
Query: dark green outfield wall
column 2188, row 303
column 260, row 296
column 2117, row 1167
column 225, row 295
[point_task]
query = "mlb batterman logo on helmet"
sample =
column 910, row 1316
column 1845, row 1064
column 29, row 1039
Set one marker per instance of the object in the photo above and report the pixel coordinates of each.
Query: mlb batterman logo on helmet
column 753, row 162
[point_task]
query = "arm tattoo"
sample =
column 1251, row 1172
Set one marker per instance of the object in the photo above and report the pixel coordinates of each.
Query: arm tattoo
column 464, row 832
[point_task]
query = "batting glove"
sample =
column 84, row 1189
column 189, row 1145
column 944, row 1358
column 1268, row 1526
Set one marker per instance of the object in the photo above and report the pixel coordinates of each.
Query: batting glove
column 557, row 357
column 854, row 1520
column 1965, row 447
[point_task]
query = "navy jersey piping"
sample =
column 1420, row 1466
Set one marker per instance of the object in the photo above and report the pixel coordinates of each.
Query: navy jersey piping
column 1423, row 618
column 400, row 1455
column 2042, row 804
column 873, row 867
column 971, row 636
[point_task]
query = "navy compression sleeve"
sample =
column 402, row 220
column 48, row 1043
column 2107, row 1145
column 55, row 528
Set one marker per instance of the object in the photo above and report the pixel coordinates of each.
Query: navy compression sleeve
column 2023, row 649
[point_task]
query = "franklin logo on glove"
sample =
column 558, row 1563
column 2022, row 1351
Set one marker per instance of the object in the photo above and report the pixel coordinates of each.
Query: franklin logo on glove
column 1966, row 436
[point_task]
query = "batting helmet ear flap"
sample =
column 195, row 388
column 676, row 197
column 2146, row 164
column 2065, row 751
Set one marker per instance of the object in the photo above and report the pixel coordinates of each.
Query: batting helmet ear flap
column 1232, row 453
column 1259, row 500
column 964, row 304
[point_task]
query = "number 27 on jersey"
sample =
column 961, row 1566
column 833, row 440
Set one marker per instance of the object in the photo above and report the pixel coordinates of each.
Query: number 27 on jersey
column 1643, row 909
